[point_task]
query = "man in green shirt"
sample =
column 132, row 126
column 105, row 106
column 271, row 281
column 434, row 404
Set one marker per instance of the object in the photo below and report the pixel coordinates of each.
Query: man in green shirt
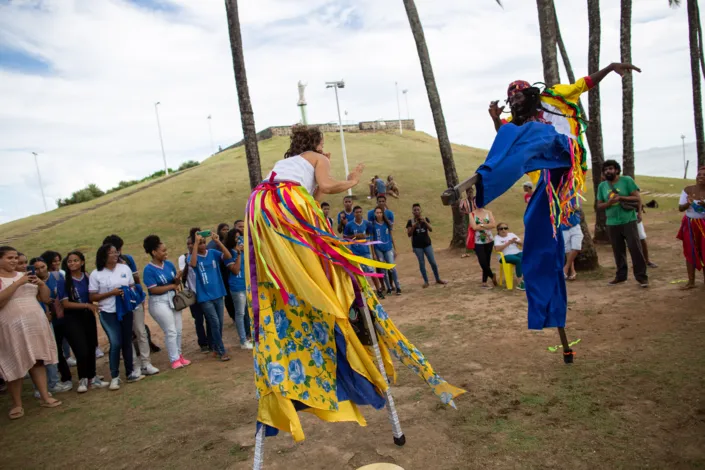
column 613, row 195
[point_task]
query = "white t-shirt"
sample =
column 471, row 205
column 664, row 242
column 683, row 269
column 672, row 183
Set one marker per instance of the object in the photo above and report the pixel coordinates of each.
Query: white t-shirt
column 106, row 280
column 511, row 249
column 690, row 211
column 190, row 276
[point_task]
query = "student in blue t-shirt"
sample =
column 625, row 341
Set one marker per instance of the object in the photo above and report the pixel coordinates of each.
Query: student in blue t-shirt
column 382, row 202
column 346, row 214
column 385, row 249
column 361, row 229
column 210, row 289
column 236, row 281
column 141, row 358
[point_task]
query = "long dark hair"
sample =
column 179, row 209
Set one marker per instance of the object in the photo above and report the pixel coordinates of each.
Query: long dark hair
column 303, row 139
column 384, row 217
column 68, row 282
column 231, row 239
column 101, row 256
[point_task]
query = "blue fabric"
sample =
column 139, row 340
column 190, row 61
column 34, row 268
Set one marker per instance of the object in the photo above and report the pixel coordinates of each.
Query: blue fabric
column 515, row 151
column 213, row 313
column 348, row 217
column 380, row 186
column 154, row 276
column 352, row 228
column 209, row 282
column 119, row 333
column 518, row 150
column 573, row 220
column 428, row 253
column 237, row 281
column 351, row 385
column 80, row 290
column 387, row 212
column 380, row 233
column 54, row 282
column 130, row 262
column 128, row 301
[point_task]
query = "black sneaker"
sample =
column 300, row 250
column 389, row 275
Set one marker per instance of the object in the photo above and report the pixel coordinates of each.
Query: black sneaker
column 205, row 349
column 652, row 265
column 615, row 282
column 389, row 291
column 645, row 285
column 380, row 294
column 398, row 291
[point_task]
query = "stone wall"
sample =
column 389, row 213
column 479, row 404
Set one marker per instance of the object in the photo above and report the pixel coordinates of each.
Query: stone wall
column 365, row 126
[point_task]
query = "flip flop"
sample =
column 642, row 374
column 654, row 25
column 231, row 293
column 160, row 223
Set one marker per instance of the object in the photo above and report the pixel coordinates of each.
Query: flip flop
column 573, row 277
column 16, row 412
column 52, row 404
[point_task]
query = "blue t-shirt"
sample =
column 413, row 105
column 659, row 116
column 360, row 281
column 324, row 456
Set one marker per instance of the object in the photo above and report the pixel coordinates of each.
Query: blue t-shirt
column 348, row 216
column 80, row 290
column 237, row 281
column 381, row 187
column 55, row 278
column 131, row 263
column 380, row 233
column 154, row 276
column 209, row 281
column 352, row 228
column 387, row 212
column 573, row 220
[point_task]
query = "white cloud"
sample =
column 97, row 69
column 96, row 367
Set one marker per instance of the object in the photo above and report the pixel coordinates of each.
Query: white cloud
column 92, row 117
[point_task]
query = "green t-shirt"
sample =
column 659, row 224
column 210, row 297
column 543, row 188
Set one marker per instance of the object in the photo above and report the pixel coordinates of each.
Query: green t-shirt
column 615, row 214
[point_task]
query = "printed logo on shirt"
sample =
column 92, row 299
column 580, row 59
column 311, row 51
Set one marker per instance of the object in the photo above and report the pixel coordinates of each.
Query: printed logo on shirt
column 123, row 275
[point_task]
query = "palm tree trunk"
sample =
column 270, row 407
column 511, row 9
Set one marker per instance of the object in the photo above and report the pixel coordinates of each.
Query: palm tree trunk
column 243, row 94
column 695, row 54
column 459, row 227
column 627, row 91
column 594, row 129
column 547, row 27
column 566, row 60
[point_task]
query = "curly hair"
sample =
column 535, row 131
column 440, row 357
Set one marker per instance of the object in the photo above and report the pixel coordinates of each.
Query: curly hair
column 303, row 139
column 151, row 243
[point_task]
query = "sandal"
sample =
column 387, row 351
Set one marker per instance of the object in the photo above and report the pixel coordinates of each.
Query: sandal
column 50, row 404
column 16, row 412
column 572, row 278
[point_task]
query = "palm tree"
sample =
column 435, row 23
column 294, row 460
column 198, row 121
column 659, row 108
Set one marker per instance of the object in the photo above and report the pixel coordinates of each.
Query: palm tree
column 548, row 30
column 594, row 129
column 459, row 227
column 587, row 260
column 243, row 94
column 697, row 66
column 627, row 90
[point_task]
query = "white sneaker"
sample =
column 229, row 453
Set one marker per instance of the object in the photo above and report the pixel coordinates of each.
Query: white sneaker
column 61, row 387
column 68, row 384
column 135, row 376
column 149, row 369
column 71, row 362
column 38, row 396
column 246, row 345
column 115, row 384
column 97, row 382
column 99, row 352
column 82, row 386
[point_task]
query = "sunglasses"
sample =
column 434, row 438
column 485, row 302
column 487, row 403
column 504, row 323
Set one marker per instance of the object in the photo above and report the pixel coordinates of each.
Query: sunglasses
column 502, row 228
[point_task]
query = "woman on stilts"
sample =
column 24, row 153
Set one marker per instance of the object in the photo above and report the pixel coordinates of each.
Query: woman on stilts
column 312, row 303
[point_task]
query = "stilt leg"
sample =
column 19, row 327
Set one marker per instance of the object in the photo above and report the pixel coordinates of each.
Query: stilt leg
column 568, row 353
column 399, row 438
column 259, row 449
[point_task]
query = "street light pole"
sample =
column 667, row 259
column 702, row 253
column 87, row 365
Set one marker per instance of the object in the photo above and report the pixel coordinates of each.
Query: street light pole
column 685, row 163
column 406, row 96
column 161, row 140
column 210, row 132
column 335, row 85
column 39, row 177
column 396, row 85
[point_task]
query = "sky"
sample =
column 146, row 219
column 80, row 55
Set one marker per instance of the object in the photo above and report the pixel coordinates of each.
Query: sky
column 79, row 79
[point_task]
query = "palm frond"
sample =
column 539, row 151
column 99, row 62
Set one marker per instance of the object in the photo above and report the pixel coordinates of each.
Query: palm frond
column 499, row 2
column 674, row 3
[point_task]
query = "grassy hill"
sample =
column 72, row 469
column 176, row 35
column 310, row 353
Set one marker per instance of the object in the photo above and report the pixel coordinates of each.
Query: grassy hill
column 216, row 191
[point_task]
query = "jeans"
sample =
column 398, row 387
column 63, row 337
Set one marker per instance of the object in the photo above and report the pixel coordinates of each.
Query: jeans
column 428, row 251
column 169, row 320
column 388, row 256
column 484, row 257
column 59, row 335
column 622, row 237
column 141, row 338
column 213, row 313
column 81, row 335
column 202, row 332
column 240, row 302
column 516, row 261
column 119, row 334
column 66, row 348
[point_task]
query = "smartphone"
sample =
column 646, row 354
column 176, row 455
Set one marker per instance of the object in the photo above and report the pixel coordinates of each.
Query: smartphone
column 31, row 271
column 205, row 233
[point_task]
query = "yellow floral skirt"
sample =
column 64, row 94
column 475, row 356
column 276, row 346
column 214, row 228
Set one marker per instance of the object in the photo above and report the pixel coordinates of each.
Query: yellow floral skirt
column 303, row 282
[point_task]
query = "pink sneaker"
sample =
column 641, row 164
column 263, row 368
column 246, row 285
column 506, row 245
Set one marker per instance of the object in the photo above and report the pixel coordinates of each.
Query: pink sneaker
column 177, row 364
column 184, row 361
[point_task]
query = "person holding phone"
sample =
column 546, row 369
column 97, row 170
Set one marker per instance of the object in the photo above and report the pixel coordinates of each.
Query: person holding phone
column 385, row 249
column 236, row 280
column 163, row 281
column 188, row 278
column 79, row 316
column 104, row 285
column 418, row 229
column 209, row 284
column 26, row 341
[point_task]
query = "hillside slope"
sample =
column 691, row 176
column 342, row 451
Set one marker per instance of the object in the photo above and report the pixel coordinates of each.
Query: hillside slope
column 216, row 191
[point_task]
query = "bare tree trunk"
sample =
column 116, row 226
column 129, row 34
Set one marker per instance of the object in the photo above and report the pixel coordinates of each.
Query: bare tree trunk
column 459, row 227
column 243, row 94
column 627, row 91
column 695, row 53
column 566, row 61
column 594, row 129
column 547, row 28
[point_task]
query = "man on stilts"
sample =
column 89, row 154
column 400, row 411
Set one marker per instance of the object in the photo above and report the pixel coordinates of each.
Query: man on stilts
column 542, row 138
